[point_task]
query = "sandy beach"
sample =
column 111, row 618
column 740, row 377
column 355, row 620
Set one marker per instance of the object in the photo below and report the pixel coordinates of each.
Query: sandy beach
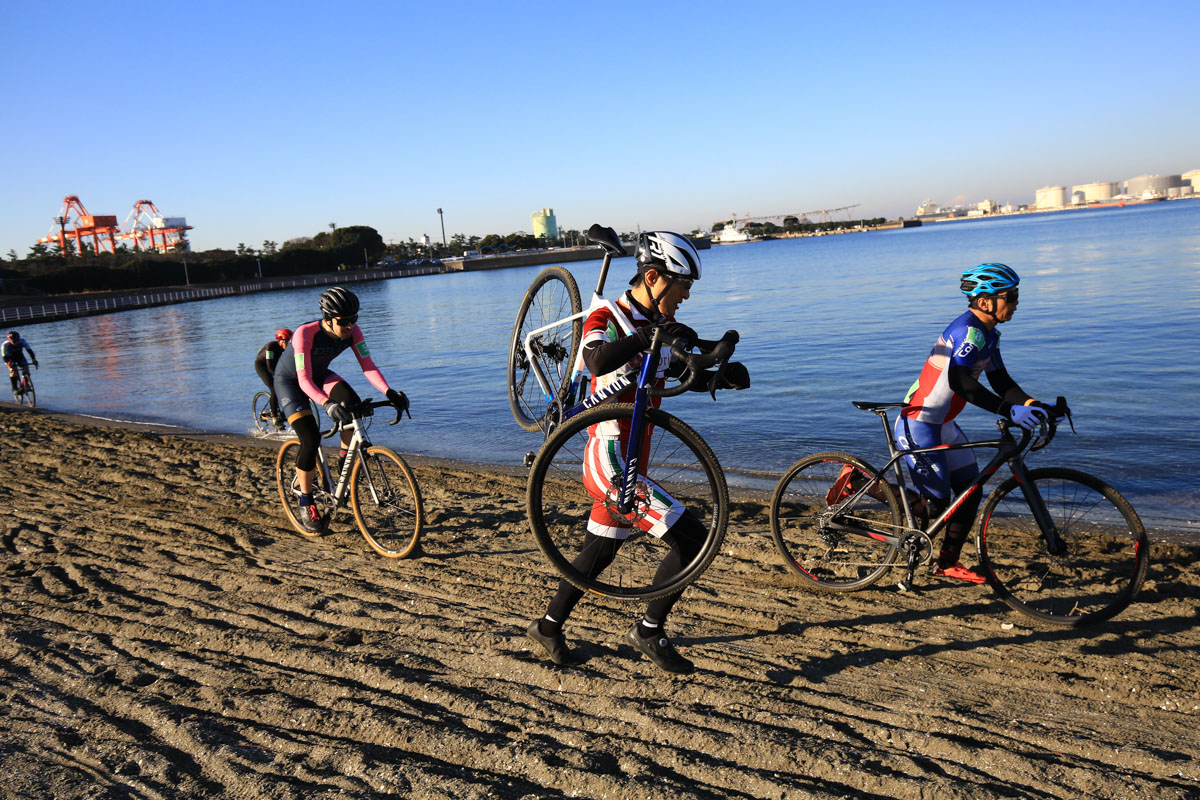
column 164, row 633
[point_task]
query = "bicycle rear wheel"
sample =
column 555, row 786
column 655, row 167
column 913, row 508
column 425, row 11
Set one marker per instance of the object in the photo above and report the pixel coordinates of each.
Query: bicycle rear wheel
column 261, row 408
column 825, row 537
column 289, row 486
column 552, row 296
column 386, row 502
column 679, row 463
column 1095, row 571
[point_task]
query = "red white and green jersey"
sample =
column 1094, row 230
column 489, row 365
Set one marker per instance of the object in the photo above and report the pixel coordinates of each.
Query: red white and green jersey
column 966, row 342
column 602, row 326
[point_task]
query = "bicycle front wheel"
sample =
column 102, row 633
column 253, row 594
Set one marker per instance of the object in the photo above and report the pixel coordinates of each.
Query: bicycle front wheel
column 386, row 502
column 30, row 396
column 552, row 296
column 1090, row 574
column 678, row 466
column 289, row 486
column 826, row 536
column 261, row 408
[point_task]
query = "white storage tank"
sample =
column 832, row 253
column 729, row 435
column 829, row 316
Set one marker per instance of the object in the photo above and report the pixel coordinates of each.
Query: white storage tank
column 1154, row 185
column 1050, row 197
column 1097, row 192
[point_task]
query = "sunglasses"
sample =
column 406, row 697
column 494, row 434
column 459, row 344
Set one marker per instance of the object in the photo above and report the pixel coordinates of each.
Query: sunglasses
column 346, row 322
column 1011, row 295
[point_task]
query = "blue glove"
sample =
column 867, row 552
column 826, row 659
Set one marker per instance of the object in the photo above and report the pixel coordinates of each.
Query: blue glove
column 1028, row 417
column 338, row 412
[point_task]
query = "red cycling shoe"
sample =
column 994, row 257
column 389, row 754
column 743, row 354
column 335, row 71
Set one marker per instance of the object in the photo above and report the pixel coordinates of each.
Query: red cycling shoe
column 959, row 573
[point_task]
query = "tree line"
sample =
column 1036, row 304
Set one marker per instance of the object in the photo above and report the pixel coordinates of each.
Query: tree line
column 54, row 270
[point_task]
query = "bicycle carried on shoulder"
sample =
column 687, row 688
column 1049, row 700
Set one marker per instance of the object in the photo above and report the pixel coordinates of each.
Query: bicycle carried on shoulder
column 1056, row 544
column 664, row 459
column 24, row 394
column 375, row 481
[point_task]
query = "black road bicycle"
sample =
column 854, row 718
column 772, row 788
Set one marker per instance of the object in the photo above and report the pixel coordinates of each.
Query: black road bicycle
column 1056, row 544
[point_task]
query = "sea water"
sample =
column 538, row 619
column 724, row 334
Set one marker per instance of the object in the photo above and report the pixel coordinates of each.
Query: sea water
column 1109, row 317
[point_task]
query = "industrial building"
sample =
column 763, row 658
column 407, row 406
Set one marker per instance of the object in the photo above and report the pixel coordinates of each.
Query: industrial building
column 544, row 224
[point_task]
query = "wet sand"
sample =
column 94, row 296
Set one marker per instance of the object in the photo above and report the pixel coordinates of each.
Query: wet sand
column 164, row 633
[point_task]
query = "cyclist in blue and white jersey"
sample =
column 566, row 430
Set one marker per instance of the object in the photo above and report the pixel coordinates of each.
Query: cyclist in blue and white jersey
column 968, row 348
column 12, row 348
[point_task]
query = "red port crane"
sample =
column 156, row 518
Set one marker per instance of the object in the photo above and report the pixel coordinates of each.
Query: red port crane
column 149, row 230
column 100, row 229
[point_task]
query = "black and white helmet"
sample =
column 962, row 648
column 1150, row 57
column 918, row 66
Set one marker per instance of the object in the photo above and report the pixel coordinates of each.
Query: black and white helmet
column 338, row 302
column 668, row 253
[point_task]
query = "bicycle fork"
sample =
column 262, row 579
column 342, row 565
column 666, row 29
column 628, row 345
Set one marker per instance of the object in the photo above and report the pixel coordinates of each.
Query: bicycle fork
column 1055, row 543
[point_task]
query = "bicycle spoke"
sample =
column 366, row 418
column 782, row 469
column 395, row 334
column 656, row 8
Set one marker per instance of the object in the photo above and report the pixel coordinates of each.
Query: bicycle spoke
column 1099, row 561
column 808, row 525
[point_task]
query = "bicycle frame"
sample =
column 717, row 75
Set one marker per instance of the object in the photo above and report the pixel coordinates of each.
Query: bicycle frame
column 598, row 301
column 1008, row 450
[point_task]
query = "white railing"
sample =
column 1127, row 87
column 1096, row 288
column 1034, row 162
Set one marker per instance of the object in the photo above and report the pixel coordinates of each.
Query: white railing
column 78, row 308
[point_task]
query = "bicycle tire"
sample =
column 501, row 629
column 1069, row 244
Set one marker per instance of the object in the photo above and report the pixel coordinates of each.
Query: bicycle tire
column 548, row 298
column 679, row 461
column 289, row 491
column 29, row 396
column 1104, row 558
column 387, row 507
column 261, row 408
column 826, row 558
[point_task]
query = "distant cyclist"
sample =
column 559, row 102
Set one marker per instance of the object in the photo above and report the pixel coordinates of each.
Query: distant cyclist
column 969, row 346
column 14, row 356
column 304, row 373
column 265, row 364
column 668, row 264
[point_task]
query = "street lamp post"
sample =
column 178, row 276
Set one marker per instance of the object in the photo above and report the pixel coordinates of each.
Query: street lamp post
column 443, row 221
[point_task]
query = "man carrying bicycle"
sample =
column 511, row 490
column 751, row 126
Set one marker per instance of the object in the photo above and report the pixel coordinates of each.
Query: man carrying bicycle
column 968, row 347
column 265, row 364
column 668, row 264
column 303, row 374
column 14, row 357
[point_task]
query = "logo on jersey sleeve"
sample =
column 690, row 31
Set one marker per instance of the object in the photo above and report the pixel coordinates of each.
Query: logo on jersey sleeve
column 973, row 341
column 361, row 347
column 299, row 361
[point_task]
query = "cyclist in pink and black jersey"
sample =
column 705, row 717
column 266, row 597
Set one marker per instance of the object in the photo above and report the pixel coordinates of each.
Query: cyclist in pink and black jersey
column 613, row 347
column 967, row 349
column 303, row 374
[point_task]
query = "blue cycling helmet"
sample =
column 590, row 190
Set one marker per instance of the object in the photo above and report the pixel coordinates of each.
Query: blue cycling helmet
column 988, row 279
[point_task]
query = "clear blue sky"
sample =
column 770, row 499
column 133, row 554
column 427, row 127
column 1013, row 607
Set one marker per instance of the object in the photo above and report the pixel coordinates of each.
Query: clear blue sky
column 269, row 120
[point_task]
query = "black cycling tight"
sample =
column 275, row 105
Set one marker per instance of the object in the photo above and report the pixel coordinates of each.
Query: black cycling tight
column 310, row 435
column 685, row 538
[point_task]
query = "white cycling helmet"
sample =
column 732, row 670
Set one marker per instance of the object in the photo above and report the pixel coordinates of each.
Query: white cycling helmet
column 669, row 254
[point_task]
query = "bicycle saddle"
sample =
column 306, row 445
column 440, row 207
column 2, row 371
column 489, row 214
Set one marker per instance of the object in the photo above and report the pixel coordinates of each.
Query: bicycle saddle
column 864, row 405
column 606, row 238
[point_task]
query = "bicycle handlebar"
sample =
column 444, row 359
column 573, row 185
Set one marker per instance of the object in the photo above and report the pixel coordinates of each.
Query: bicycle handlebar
column 364, row 409
column 1046, row 430
column 710, row 353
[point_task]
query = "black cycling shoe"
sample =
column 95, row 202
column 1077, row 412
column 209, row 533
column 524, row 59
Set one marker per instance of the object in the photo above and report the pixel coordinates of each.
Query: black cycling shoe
column 310, row 518
column 660, row 650
column 555, row 646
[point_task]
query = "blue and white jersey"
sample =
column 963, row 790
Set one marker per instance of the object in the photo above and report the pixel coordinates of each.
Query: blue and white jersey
column 965, row 342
